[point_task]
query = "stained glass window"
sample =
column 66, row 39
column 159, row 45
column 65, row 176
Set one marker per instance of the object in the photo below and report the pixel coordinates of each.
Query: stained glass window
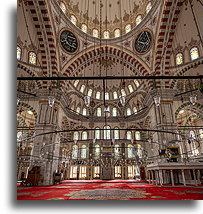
column 117, row 33
column 130, row 88
column 84, row 136
column 73, row 19
column 107, row 133
column 134, row 110
column 136, row 83
column 114, row 112
column 117, row 171
column 97, row 151
column 97, row 133
column 76, row 136
column 116, row 134
column 32, row 58
column 129, row 135
column 63, row 7
column 83, row 171
column 76, row 83
column 138, row 20
column 194, row 53
column 115, row 95
column 73, row 172
column 179, row 59
column 106, row 96
column 128, row 111
column 84, row 151
column 98, row 94
column 192, row 135
column 201, row 133
column 99, row 112
column 123, row 93
column 137, row 135
column 130, row 151
column 106, row 34
column 95, row 33
column 116, row 150
column 149, row 7
column 139, row 150
column 82, row 88
column 128, row 28
column 84, row 111
column 96, row 171
column 89, row 93
column 78, row 110
column 75, row 152
column 19, row 51
column 84, row 28
column 131, row 171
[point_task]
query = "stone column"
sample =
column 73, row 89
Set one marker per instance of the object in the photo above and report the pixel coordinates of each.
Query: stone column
column 195, row 178
column 149, row 175
column 198, row 176
column 152, row 176
column 172, row 178
column 157, row 177
column 183, row 177
column 161, row 176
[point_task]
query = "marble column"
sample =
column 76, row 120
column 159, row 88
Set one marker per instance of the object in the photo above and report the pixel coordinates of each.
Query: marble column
column 172, row 178
column 161, row 176
column 149, row 175
column 183, row 177
column 152, row 177
column 195, row 178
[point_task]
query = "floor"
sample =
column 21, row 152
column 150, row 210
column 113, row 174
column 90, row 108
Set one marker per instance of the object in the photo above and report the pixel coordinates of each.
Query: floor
column 109, row 190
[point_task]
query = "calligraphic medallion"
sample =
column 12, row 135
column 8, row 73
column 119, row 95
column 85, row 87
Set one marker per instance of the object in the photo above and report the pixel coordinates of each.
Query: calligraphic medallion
column 143, row 42
column 68, row 41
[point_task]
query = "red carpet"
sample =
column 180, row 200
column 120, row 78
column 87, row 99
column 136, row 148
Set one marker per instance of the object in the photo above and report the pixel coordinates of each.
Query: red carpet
column 109, row 190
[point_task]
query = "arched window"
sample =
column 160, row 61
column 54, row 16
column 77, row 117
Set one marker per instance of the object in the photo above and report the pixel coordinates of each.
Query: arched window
column 123, row 93
column 128, row 111
column 76, row 83
column 148, row 7
column 130, row 88
column 19, row 52
column 84, row 151
column 84, row 136
column 107, row 133
column 114, row 112
column 139, row 150
column 127, row 28
column 129, row 135
column 106, row 95
column 76, row 136
column 130, row 151
column 19, row 136
column 78, row 110
column 136, row 83
column 116, row 150
column 138, row 19
column 82, row 88
column 201, row 133
column 89, row 93
column 97, row 151
column 73, row 19
column 117, row 33
column 75, row 152
column 179, row 59
column 84, row 28
column 97, row 133
column 194, row 53
column 115, row 95
column 98, row 94
column 95, row 33
column 99, row 112
column 192, row 135
column 137, row 135
column 134, row 110
column 106, row 34
column 63, row 7
column 84, row 111
column 116, row 134
column 32, row 58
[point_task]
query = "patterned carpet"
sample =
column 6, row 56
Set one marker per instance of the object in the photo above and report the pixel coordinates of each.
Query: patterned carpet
column 109, row 190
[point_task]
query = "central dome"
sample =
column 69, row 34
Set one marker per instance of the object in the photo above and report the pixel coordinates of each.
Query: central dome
column 113, row 17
